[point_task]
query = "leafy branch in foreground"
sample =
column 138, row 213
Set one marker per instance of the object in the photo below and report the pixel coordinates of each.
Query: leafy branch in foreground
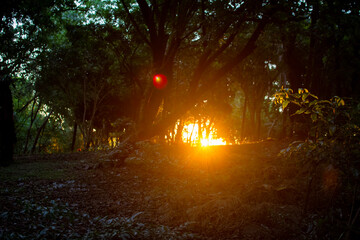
column 329, row 158
column 327, row 116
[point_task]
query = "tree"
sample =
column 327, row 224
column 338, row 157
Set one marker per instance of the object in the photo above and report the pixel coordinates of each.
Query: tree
column 321, row 51
column 207, row 29
column 93, row 64
column 24, row 27
column 255, row 77
column 83, row 80
column 7, row 130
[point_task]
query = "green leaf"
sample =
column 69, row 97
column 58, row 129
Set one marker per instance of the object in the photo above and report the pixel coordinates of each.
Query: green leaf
column 295, row 102
column 314, row 117
column 285, row 103
column 341, row 103
column 304, row 96
column 300, row 111
column 324, row 101
column 314, row 96
column 312, row 103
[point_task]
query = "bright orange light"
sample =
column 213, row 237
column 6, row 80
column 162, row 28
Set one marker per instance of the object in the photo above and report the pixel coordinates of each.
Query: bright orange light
column 212, row 142
column 190, row 135
column 160, row 81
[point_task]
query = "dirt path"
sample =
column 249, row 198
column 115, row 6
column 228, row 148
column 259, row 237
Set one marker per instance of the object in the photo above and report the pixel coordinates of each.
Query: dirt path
column 159, row 193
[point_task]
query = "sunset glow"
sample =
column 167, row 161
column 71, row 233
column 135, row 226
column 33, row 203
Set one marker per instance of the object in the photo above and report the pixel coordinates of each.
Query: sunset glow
column 212, row 142
column 190, row 135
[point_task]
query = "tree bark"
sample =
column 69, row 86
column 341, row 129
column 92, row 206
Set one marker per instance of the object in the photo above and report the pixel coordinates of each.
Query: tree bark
column 200, row 131
column 258, row 123
column 7, row 129
column 72, row 147
column 243, row 120
column 178, row 136
column 33, row 116
column 42, row 127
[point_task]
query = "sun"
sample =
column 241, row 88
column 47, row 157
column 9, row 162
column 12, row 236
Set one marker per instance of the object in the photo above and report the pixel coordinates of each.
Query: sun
column 212, row 142
column 191, row 135
column 204, row 142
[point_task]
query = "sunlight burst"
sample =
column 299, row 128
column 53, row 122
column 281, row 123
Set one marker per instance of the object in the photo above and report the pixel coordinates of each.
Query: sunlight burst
column 212, row 142
column 191, row 135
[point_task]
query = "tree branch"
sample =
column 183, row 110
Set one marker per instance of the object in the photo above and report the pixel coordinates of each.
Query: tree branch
column 192, row 98
column 27, row 104
column 247, row 50
column 137, row 28
column 149, row 19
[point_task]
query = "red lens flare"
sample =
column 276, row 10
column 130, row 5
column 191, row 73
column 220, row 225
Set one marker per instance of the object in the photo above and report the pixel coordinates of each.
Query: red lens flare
column 160, row 81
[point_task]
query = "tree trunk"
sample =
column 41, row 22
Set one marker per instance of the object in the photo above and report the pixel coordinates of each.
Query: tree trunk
column 7, row 129
column 314, row 79
column 72, row 147
column 178, row 136
column 243, row 120
column 164, row 49
column 252, row 120
column 200, row 131
column 258, row 122
column 32, row 120
column 39, row 131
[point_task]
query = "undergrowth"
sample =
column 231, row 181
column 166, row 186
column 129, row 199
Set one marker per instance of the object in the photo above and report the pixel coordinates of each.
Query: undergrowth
column 328, row 160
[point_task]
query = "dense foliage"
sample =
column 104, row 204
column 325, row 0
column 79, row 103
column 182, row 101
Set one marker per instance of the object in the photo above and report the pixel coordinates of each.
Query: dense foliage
column 82, row 68
column 78, row 76
column 329, row 158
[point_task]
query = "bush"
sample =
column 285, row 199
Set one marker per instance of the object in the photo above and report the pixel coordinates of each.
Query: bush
column 329, row 158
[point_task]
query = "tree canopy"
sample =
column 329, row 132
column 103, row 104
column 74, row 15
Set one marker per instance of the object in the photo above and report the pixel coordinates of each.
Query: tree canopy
column 142, row 88
column 89, row 64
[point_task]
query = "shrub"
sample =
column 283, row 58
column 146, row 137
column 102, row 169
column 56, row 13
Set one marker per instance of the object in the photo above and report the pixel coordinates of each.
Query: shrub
column 329, row 157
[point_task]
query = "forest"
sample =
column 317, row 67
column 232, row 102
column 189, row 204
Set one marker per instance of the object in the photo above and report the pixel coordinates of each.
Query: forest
column 180, row 119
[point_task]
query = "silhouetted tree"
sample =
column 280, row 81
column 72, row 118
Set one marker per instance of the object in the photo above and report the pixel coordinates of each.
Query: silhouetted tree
column 7, row 131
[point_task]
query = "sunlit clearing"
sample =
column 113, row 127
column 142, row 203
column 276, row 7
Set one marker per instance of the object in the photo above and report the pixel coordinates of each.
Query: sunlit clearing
column 212, row 142
column 191, row 135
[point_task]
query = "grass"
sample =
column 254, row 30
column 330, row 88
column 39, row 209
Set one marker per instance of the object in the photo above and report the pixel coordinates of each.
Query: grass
column 44, row 169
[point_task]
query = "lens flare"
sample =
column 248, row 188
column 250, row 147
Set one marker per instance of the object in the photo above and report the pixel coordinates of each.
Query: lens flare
column 160, row 81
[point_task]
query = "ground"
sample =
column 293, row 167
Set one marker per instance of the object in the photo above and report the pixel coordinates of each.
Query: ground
column 155, row 192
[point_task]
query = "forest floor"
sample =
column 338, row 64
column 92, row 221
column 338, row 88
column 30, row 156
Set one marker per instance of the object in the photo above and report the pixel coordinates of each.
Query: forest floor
column 219, row 192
